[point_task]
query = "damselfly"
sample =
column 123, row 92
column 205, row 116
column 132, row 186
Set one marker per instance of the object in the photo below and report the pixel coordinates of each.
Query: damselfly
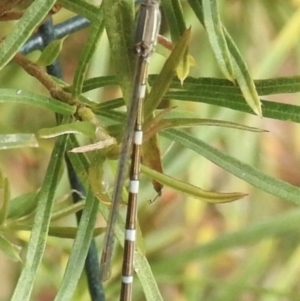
column 147, row 29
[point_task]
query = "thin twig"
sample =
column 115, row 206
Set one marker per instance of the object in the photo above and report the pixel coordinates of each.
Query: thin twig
column 46, row 80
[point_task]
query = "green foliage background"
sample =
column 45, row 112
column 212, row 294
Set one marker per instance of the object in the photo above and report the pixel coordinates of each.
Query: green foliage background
column 243, row 250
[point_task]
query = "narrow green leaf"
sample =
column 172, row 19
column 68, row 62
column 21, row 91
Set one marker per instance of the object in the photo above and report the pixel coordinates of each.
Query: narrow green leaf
column 243, row 171
column 5, row 202
column 22, row 205
column 82, row 8
column 39, row 232
column 223, row 93
column 240, row 69
column 85, row 128
column 175, row 19
column 163, row 81
column 153, row 124
column 79, row 250
column 277, row 85
column 98, row 82
column 232, row 100
column 146, row 278
column 9, row 249
column 71, row 232
column 64, row 212
column 243, row 77
column 119, row 25
column 176, row 23
column 153, row 128
column 33, row 16
column 50, row 53
column 196, row 6
column 87, row 54
column 191, row 190
column 216, row 37
column 60, row 232
column 33, row 99
column 9, row 141
column 109, row 105
column 271, row 109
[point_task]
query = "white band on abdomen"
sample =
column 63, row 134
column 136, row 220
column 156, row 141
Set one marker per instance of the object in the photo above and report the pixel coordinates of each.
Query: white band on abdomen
column 130, row 234
column 134, row 186
column 142, row 91
column 127, row 279
column 138, row 137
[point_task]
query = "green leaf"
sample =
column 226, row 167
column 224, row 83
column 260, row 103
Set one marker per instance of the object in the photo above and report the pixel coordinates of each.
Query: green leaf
column 157, row 119
column 272, row 86
column 241, row 170
column 243, row 77
column 191, row 190
column 155, row 126
column 119, row 24
column 82, row 8
column 222, row 93
column 9, row 141
column 33, row 99
column 85, row 128
column 22, row 205
column 146, row 278
column 59, row 232
column 64, row 212
column 240, row 69
column 236, row 102
column 71, row 232
column 87, row 54
column 9, row 249
column 40, row 228
column 50, row 53
column 264, row 86
column 163, row 81
column 175, row 19
column 5, row 201
column 277, row 85
column 98, row 82
column 216, row 37
column 78, row 254
column 176, row 23
column 110, row 105
column 32, row 18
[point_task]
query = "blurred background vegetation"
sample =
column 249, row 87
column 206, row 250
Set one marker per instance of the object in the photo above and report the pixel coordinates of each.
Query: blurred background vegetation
column 267, row 34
